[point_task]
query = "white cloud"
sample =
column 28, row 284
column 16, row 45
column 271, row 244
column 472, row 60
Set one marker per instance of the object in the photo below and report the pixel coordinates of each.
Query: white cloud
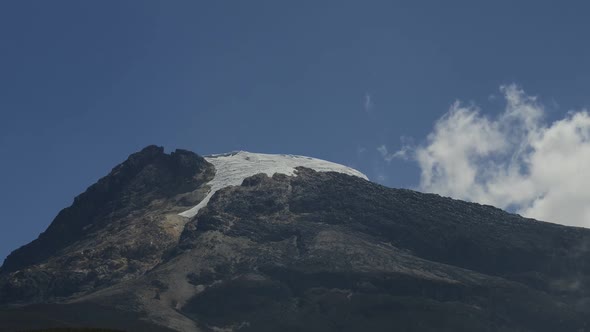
column 514, row 160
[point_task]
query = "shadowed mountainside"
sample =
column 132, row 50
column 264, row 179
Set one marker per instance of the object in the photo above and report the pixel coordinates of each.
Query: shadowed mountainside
column 319, row 251
column 73, row 318
column 119, row 228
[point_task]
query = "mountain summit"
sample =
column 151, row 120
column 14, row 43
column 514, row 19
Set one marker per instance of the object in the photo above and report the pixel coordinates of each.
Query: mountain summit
column 257, row 242
column 231, row 169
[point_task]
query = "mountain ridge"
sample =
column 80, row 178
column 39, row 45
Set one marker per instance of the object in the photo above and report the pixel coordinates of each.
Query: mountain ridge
column 314, row 251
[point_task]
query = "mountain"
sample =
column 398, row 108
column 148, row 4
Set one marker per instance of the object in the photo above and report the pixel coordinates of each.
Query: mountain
column 257, row 242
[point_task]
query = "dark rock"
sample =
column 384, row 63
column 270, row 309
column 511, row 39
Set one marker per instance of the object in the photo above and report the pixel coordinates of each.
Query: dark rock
column 116, row 228
column 312, row 252
column 337, row 253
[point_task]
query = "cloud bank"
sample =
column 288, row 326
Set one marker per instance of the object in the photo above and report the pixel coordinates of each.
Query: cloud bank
column 515, row 160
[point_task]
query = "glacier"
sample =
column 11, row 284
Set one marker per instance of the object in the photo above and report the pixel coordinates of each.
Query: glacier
column 232, row 168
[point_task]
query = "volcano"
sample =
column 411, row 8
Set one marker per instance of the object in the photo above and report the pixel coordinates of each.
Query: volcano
column 259, row 242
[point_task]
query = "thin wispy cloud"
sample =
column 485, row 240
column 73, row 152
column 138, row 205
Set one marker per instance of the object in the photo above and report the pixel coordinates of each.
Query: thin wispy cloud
column 389, row 156
column 368, row 103
column 515, row 160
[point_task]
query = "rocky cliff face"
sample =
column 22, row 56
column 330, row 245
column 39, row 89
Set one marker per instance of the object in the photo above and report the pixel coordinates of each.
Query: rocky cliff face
column 119, row 228
column 316, row 251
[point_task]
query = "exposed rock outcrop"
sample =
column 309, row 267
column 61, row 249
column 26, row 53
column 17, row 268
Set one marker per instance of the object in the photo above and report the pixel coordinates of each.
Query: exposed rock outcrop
column 318, row 251
column 119, row 228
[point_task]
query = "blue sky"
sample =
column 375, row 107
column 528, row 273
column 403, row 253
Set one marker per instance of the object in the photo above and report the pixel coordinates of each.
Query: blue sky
column 85, row 83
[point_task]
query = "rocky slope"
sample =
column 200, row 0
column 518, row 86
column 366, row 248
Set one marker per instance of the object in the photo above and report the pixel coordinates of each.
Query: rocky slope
column 118, row 229
column 307, row 251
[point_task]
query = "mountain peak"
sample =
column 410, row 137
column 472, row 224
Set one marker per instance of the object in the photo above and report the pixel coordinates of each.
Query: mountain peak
column 233, row 167
column 145, row 176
